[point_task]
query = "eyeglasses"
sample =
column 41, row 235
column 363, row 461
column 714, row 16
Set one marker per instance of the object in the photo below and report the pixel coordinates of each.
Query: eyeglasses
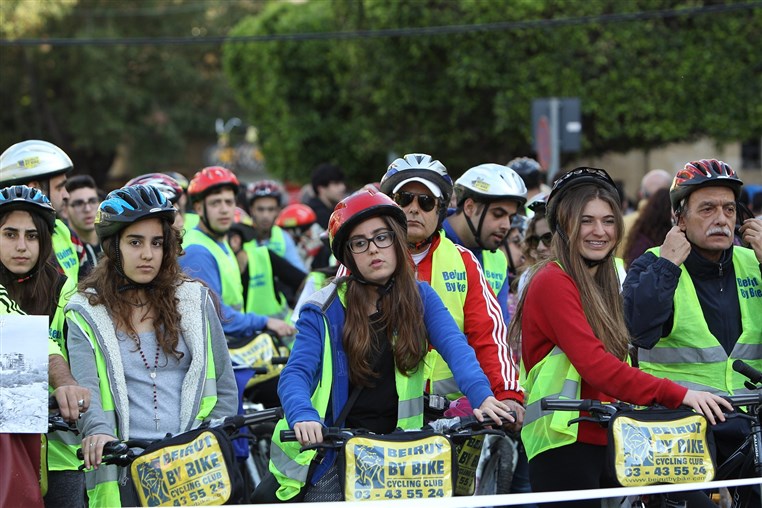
column 382, row 240
column 534, row 240
column 80, row 203
column 425, row 202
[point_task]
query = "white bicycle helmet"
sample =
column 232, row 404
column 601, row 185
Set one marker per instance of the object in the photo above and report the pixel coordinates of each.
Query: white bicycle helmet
column 418, row 167
column 490, row 182
column 32, row 160
column 487, row 183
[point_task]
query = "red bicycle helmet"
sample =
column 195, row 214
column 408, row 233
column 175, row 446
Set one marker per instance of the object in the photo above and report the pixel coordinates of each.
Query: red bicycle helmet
column 356, row 208
column 166, row 184
column 209, row 179
column 704, row 172
column 296, row 216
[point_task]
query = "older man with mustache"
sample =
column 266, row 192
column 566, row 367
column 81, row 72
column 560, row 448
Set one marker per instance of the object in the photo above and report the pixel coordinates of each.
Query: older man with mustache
column 692, row 305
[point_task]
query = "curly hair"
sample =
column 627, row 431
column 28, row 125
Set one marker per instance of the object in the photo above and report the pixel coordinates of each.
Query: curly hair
column 106, row 281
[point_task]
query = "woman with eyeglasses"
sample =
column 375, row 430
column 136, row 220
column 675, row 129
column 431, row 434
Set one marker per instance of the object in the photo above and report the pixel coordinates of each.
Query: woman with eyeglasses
column 358, row 356
column 574, row 340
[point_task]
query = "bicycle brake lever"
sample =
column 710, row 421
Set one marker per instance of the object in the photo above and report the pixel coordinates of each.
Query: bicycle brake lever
column 588, row 419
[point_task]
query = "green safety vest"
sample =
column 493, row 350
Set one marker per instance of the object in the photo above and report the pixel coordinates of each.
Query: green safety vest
column 260, row 298
column 61, row 446
column 102, row 483
column 495, row 269
column 450, row 281
column 691, row 342
column 230, row 275
column 191, row 221
column 277, row 242
column 290, row 466
column 64, row 250
column 554, row 377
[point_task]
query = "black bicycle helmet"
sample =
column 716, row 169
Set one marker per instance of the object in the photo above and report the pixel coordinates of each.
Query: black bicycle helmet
column 127, row 205
column 705, row 172
column 528, row 169
column 28, row 199
column 575, row 178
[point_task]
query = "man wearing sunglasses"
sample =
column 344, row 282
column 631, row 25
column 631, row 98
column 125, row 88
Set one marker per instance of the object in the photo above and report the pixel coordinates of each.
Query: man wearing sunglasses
column 422, row 187
column 488, row 196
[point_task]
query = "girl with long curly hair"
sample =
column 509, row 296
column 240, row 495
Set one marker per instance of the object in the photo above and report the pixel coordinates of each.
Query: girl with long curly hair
column 358, row 355
column 144, row 338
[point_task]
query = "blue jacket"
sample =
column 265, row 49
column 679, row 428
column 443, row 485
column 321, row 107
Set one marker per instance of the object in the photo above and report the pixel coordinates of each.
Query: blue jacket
column 300, row 377
column 199, row 263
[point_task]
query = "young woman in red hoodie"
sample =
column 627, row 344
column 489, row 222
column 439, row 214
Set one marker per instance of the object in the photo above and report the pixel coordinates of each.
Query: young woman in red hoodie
column 574, row 340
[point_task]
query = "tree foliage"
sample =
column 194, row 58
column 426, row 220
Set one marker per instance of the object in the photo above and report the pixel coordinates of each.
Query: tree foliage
column 92, row 99
column 466, row 97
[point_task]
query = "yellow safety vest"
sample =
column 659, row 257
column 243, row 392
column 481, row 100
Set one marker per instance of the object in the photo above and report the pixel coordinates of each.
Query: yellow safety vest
column 102, row 483
column 690, row 355
column 290, row 466
column 260, row 298
column 277, row 242
column 230, row 276
column 553, row 377
column 64, row 250
column 450, row 281
column 495, row 269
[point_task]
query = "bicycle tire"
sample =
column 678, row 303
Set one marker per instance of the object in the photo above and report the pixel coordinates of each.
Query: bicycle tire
column 497, row 474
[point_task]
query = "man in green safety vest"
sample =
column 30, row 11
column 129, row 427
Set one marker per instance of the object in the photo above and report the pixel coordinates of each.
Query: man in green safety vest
column 692, row 305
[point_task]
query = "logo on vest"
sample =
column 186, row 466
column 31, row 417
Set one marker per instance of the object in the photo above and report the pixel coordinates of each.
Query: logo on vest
column 749, row 287
column 451, row 279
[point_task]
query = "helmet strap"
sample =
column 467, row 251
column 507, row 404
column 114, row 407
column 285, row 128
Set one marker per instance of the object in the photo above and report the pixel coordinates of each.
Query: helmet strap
column 205, row 221
column 477, row 231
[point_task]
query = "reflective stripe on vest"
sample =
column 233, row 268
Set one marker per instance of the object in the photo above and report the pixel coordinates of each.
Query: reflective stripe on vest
column 290, row 467
column 690, row 341
column 277, row 242
column 230, row 275
column 260, row 297
column 553, row 377
column 62, row 446
column 64, row 250
column 495, row 269
column 450, row 281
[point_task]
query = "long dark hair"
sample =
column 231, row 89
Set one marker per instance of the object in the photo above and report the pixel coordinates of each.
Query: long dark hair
column 599, row 293
column 107, row 281
column 36, row 294
column 401, row 312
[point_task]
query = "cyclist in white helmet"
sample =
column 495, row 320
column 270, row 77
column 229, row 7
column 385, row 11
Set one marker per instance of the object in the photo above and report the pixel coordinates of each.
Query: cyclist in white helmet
column 421, row 186
column 488, row 196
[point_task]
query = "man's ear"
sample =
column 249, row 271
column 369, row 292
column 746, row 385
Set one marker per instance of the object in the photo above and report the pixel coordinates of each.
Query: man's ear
column 678, row 219
column 470, row 207
column 198, row 207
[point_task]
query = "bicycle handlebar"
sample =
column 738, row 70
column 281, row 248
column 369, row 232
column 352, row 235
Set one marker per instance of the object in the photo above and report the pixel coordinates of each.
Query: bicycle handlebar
column 459, row 424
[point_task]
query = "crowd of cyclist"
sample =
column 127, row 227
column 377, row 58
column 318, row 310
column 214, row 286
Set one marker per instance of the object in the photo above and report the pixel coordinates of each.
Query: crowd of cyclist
column 489, row 292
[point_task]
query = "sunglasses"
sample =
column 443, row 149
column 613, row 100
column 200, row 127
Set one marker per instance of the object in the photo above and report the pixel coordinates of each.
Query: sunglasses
column 425, row 202
column 534, row 240
column 382, row 240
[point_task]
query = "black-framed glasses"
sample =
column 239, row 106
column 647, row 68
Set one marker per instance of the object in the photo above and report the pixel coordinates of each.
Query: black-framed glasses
column 534, row 240
column 425, row 202
column 382, row 240
column 80, row 203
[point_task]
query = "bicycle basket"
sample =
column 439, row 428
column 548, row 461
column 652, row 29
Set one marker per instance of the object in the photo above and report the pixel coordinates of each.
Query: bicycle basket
column 402, row 465
column 652, row 446
column 195, row 468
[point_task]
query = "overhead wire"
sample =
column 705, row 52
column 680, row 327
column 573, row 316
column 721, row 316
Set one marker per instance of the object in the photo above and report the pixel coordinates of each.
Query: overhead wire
column 539, row 24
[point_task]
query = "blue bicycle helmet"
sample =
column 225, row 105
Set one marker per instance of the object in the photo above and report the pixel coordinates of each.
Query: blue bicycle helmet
column 28, row 199
column 127, row 205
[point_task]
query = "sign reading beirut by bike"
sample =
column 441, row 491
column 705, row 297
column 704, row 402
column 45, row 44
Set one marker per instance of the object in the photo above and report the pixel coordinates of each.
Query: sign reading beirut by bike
column 380, row 468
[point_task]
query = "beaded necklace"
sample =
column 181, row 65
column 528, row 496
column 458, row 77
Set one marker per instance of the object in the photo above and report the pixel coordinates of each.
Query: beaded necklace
column 152, row 374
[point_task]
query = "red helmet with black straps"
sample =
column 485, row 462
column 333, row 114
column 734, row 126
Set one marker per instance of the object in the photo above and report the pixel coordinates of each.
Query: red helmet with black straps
column 264, row 189
column 210, row 179
column 353, row 210
column 297, row 215
column 704, row 172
